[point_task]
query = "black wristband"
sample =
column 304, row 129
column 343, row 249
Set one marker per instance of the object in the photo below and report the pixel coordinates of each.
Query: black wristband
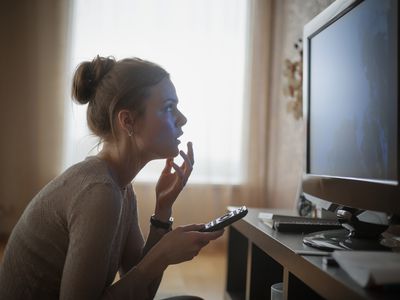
column 160, row 224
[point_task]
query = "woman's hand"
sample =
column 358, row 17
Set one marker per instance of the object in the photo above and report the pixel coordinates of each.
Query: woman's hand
column 179, row 245
column 170, row 184
column 185, row 242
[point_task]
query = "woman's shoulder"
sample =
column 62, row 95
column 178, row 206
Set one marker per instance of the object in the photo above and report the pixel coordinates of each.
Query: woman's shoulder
column 89, row 171
column 85, row 182
column 75, row 181
column 97, row 196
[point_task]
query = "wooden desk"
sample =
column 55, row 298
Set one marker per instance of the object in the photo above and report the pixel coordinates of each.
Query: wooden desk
column 259, row 256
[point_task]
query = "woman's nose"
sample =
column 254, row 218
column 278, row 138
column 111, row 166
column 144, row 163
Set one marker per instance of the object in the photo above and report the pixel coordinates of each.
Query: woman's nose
column 181, row 119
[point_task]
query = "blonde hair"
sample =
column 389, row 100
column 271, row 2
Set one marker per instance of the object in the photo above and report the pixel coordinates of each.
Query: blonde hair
column 109, row 86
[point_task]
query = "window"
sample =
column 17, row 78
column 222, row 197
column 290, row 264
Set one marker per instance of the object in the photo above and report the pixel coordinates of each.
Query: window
column 201, row 43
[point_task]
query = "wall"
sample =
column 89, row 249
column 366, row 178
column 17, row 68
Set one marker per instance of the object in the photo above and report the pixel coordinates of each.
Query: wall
column 32, row 55
column 285, row 133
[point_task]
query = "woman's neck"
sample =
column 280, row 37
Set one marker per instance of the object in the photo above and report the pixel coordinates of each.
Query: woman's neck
column 122, row 162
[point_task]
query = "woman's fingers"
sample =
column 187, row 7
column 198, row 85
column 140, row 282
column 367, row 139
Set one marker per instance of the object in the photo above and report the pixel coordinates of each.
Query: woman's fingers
column 215, row 234
column 168, row 166
column 192, row 227
column 182, row 172
column 190, row 152
column 178, row 170
column 184, row 242
column 189, row 156
column 207, row 236
column 187, row 164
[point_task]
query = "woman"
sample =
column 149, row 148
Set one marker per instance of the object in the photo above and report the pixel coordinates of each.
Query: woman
column 82, row 227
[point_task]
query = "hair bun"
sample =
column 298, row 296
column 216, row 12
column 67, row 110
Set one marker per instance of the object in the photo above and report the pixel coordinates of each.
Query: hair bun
column 87, row 77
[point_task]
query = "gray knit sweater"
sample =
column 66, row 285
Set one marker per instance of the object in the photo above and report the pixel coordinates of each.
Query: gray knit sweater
column 73, row 237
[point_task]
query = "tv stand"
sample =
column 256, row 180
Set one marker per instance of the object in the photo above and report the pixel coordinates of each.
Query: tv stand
column 259, row 257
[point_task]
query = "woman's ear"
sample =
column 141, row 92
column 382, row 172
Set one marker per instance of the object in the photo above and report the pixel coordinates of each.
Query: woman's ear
column 126, row 121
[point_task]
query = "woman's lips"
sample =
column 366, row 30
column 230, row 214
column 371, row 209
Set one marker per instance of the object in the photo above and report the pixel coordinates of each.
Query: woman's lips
column 177, row 138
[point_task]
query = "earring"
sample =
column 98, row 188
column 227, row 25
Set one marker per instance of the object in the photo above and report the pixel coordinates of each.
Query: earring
column 130, row 133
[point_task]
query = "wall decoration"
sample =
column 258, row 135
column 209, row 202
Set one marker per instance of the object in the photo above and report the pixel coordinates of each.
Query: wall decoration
column 293, row 74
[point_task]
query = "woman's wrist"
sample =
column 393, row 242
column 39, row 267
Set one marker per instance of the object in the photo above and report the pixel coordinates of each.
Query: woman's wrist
column 164, row 225
column 162, row 214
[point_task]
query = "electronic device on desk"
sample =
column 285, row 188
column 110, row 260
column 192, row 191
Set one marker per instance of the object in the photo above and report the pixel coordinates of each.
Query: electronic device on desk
column 297, row 224
column 351, row 111
column 306, row 225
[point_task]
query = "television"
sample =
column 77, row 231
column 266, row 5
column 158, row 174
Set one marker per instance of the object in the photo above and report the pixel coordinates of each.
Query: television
column 351, row 111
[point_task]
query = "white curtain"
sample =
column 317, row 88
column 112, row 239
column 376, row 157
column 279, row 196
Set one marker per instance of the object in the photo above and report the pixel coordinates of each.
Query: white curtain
column 202, row 44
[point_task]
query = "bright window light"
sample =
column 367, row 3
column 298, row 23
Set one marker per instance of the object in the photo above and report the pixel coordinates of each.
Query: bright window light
column 201, row 43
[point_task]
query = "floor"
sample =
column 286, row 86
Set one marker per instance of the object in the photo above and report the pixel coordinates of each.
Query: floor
column 204, row 276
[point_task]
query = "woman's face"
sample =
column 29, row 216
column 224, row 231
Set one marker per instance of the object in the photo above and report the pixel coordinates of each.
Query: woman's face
column 158, row 129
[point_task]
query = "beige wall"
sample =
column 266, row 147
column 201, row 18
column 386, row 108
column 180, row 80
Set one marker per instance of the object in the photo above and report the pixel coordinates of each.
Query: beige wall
column 32, row 54
column 285, row 133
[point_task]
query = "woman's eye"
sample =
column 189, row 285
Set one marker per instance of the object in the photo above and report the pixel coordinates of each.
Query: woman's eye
column 169, row 108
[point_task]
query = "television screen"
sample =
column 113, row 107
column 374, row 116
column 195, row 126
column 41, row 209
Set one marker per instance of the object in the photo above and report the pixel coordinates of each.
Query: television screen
column 351, row 108
column 353, row 94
